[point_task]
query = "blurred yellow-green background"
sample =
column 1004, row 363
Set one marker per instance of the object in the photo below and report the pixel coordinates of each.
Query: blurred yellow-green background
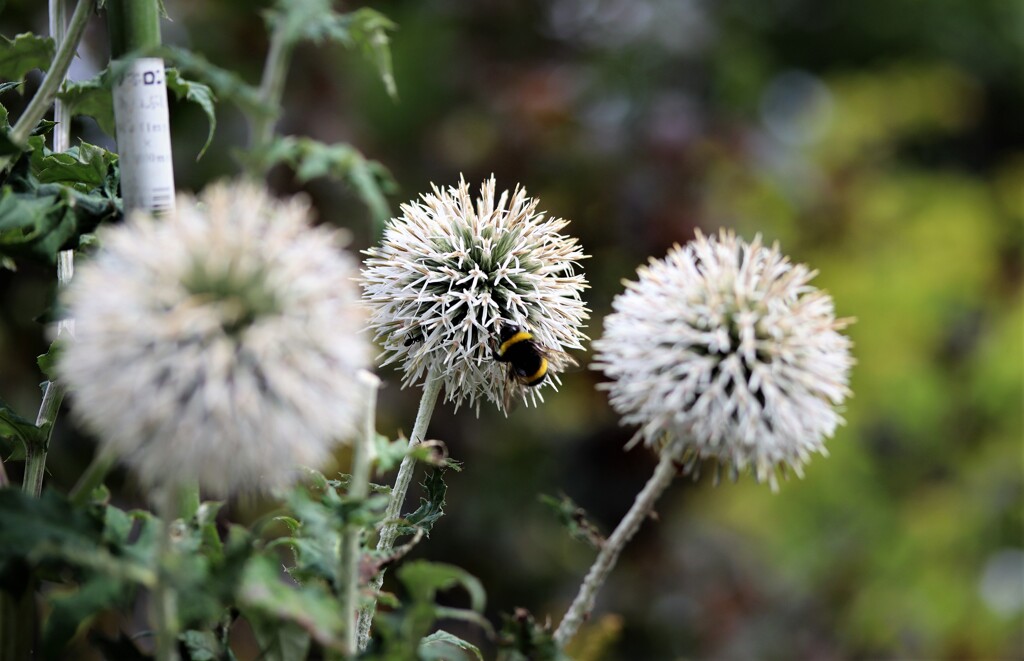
column 882, row 142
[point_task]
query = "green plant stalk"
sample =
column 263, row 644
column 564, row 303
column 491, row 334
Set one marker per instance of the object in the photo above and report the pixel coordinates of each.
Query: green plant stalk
column 35, row 454
column 275, row 69
column 133, row 25
column 582, row 606
column 359, row 488
column 389, row 533
column 93, row 477
column 165, row 597
column 58, row 30
column 47, row 92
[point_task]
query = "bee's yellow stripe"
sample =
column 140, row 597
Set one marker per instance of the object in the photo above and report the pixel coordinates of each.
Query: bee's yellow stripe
column 539, row 374
column 521, row 336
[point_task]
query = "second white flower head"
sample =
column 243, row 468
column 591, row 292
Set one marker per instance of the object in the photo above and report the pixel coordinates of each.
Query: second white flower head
column 451, row 273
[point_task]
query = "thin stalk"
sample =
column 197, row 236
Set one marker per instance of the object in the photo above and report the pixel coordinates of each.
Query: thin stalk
column 133, row 25
column 58, row 30
column 581, row 607
column 47, row 91
column 165, row 597
column 35, row 454
column 389, row 533
column 91, row 478
column 359, row 488
column 275, row 70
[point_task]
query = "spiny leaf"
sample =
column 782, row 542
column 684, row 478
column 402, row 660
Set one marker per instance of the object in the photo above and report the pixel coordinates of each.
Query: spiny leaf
column 574, row 518
column 444, row 646
column 227, row 85
column 312, row 608
column 16, row 433
column 423, row 580
column 199, row 94
column 431, row 507
column 312, row 159
column 84, row 167
column 91, row 97
column 24, row 53
column 523, row 639
column 48, row 361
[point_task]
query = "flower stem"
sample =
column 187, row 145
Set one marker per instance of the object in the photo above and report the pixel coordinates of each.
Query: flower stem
column 389, row 533
column 359, row 488
column 165, row 597
column 35, row 453
column 606, row 559
column 40, row 103
column 90, row 479
column 58, row 30
column 275, row 68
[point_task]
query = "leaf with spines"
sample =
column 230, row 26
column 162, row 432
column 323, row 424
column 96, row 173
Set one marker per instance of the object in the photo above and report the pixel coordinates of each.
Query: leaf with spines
column 312, row 159
column 24, row 53
column 198, row 93
column 574, row 518
column 16, row 433
column 316, row 21
column 444, row 646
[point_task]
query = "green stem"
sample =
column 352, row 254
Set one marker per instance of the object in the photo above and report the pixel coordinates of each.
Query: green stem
column 133, row 25
column 58, row 30
column 275, row 69
column 90, row 479
column 165, row 597
column 389, row 533
column 35, row 454
column 581, row 607
column 359, row 489
column 47, row 91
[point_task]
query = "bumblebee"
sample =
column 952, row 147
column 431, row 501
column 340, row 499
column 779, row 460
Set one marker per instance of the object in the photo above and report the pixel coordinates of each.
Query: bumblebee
column 527, row 361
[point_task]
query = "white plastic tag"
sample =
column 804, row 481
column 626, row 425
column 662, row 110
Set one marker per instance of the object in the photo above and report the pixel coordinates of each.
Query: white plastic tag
column 144, row 137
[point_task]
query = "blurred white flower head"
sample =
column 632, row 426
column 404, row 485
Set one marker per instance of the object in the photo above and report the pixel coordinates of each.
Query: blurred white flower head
column 452, row 272
column 219, row 343
column 723, row 350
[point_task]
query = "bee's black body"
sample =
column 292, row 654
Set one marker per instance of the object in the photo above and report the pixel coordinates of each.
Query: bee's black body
column 525, row 358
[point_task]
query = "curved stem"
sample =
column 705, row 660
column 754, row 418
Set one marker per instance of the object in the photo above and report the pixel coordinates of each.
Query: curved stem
column 58, row 28
column 389, row 533
column 47, row 92
column 90, row 479
column 165, row 597
column 275, row 69
column 359, row 488
column 35, row 454
column 609, row 555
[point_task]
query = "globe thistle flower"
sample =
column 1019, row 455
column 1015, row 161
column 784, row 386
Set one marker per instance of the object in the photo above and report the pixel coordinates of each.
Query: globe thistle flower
column 723, row 350
column 450, row 274
column 220, row 342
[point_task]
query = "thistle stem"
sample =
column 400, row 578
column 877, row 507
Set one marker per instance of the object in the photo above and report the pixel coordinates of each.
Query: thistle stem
column 165, row 597
column 275, row 68
column 359, row 488
column 389, row 533
column 582, row 606
column 90, row 479
column 58, row 30
column 47, row 92
column 35, row 453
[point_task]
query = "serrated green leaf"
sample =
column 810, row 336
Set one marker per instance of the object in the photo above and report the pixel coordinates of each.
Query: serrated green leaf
column 91, row 97
column 266, row 596
column 369, row 29
column 84, row 167
column 431, row 507
column 226, row 85
column 523, row 639
column 202, row 645
column 199, row 94
column 423, row 580
column 574, row 518
column 16, row 433
column 48, row 361
column 312, row 159
column 444, row 646
column 24, row 53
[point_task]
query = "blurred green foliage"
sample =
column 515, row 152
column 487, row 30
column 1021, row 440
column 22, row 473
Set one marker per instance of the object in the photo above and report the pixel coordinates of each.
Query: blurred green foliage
column 878, row 141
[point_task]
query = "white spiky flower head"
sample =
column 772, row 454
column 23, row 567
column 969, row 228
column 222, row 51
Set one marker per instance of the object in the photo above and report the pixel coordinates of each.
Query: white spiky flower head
column 220, row 342
column 451, row 272
column 723, row 350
